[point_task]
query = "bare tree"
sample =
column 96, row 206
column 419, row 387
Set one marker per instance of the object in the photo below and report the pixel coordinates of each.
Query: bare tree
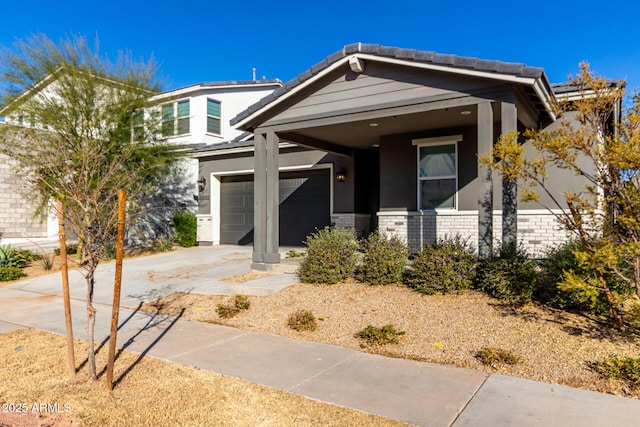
column 81, row 130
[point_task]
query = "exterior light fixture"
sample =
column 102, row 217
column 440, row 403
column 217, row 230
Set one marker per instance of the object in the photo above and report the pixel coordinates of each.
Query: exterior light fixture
column 201, row 184
column 341, row 175
column 373, row 124
column 465, row 112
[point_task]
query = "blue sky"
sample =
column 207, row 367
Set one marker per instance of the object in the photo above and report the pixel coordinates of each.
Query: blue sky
column 212, row 41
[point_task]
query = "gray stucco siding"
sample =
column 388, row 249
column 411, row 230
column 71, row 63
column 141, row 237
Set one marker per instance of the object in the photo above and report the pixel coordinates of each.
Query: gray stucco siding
column 558, row 180
column 289, row 159
column 399, row 172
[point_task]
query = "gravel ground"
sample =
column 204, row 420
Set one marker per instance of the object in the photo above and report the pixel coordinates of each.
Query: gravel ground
column 554, row 346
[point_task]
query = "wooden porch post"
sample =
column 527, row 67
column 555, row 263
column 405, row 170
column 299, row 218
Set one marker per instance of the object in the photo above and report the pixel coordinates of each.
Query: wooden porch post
column 485, row 184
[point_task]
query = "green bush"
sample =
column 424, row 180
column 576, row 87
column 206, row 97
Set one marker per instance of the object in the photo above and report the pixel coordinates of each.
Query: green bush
column 561, row 260
column 10, row 257
column 384, row 259
column 448, row 265
column 10, row 273
column 185, row 226
column 163, row 244
column 302, row 320
column 374, row 336
column 330, row 256
column 618, row 367
column 509, row 275
column 72, row 249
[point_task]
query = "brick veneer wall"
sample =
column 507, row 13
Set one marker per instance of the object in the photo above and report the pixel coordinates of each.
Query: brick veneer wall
column 16, row 213
column 360, row 222
column 204, row 233
column 537, row 230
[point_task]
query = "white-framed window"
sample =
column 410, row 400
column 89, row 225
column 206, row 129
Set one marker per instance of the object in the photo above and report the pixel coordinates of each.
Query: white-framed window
column 175, row 118
column 437, row 172
column 214, row 116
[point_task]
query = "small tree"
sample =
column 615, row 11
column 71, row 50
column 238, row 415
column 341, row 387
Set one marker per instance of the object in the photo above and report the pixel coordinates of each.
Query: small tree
column 81, row 138
column 605, row 214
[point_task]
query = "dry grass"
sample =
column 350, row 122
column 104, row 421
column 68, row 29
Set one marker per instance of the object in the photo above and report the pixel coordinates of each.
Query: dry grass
column 554, row 346
column 150, row 392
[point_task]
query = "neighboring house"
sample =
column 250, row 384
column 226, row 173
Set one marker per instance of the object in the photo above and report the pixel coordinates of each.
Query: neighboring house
column 376, row 136
column 197, row 115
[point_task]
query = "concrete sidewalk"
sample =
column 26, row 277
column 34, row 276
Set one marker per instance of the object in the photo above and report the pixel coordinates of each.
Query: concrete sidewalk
column 415, row 392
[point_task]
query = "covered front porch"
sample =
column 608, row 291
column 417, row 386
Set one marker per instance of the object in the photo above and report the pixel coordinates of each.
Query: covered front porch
column 408, row 130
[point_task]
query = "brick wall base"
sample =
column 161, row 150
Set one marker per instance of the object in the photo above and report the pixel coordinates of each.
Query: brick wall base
column 16, row 212
column 360, row 222
column 538, row 231
column 204, row 233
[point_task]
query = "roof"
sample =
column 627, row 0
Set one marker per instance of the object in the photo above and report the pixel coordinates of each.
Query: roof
column 568, row 87
column 409, row 55
column 227, row 84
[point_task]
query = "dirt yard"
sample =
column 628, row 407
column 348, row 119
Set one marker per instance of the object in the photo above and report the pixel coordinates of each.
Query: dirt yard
column 554, row 346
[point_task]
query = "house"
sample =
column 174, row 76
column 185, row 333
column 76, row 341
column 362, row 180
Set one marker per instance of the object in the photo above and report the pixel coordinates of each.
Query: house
column 377, row 136
column 196, row 115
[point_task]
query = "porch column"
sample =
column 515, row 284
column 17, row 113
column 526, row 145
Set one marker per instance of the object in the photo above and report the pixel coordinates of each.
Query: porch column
column 259, row 198
column 485, row 185
column 272, row 254
column 509, row 123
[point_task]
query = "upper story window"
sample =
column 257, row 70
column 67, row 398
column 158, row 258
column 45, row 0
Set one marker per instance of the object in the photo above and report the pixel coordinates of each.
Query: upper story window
column 214, row 116
column 437, row 172
column 175, row 118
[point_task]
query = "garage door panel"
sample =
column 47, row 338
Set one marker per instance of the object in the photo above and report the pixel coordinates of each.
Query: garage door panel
column 304, row 206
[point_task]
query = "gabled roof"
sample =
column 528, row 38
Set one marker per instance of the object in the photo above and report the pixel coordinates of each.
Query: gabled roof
column 516, row 72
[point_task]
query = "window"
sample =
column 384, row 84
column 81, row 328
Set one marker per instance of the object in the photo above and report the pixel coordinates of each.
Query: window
column 137, row 124
column 175, row 118
column 437, row 172
column 213, row 116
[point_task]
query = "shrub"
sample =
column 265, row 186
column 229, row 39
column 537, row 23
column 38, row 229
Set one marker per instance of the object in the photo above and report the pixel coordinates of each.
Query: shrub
column 384, row 259
column 164, row 244
column 448, row 265
column 238, row 303
column 72, row 249
column 330, row 256
column 46, row 260
column 10, row 257
column 302, row 320
column 618, row 367
column 492, row 356
column 185, row 225
column 510, row 275
column 374, row 336
column 292, row 253
column 561, row 262
column 10, row 273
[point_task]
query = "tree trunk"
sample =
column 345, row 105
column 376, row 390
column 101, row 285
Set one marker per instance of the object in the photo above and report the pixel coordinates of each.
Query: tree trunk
column 91, row 322
column 615, row 314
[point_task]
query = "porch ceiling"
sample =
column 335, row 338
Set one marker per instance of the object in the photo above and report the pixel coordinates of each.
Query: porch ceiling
column 365, row 134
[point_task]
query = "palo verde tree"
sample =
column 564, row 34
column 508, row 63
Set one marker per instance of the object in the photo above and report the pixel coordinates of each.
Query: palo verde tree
column 605, row 152
column 81, row 130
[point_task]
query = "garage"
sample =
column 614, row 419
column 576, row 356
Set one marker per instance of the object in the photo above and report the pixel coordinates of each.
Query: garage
column 304, row 206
